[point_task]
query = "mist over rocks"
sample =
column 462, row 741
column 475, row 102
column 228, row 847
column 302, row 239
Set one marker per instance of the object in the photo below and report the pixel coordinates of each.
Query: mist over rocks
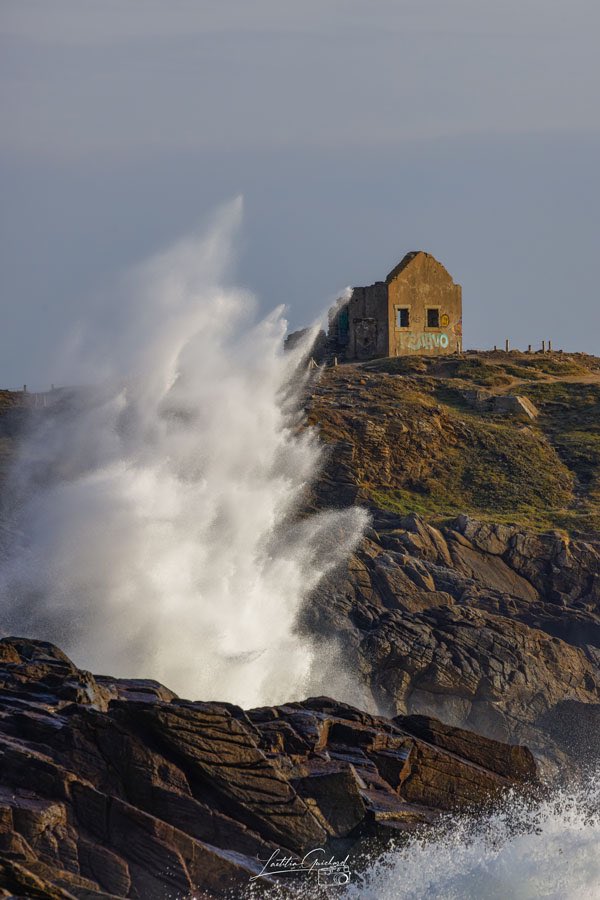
column 118, row 788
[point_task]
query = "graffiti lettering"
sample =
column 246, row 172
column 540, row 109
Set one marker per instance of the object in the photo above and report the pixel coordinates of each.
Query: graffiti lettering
column 422, row 341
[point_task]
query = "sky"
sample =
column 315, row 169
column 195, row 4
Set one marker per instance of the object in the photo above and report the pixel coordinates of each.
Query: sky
column 355, row 130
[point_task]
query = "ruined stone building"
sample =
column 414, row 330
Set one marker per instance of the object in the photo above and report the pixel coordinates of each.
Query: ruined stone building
column 416, row 310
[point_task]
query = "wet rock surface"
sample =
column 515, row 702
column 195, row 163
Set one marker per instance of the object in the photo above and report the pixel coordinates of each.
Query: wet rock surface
column 117, row 788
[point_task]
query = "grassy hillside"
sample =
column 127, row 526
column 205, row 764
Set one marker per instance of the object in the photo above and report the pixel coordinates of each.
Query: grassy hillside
column 409, row 433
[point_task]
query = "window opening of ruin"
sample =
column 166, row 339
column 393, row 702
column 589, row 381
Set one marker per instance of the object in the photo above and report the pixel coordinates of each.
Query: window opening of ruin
column 402, row 317
column 433, row 318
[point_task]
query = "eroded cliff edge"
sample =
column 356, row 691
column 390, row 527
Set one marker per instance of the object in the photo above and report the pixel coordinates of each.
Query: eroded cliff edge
column 472, row 601
column 118, row 788
column 475, row 596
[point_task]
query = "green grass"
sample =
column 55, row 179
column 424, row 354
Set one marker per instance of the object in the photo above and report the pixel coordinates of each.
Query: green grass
column 581, row 450
column 556, row 396
column 498, row 472
column 479, row 372
column 439, row 510
column 545, row 475
column 551, row 365
column 450, row 395
column 418, row 446
column 399, row 365
column 486, row 370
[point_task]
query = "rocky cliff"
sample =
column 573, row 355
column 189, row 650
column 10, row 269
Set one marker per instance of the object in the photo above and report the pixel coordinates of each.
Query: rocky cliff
column 116, row 788
column 489, row 619
column 487, row 627
column 470, row 612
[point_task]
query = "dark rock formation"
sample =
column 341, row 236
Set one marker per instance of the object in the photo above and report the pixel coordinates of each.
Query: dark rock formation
column 116, row 788
column 486, row 627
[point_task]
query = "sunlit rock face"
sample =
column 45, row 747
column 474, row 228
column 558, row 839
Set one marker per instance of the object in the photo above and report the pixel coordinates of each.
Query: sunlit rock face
column 119, row 786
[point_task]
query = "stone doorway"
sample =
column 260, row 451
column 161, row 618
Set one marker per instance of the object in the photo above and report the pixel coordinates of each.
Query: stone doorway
column 365, row 338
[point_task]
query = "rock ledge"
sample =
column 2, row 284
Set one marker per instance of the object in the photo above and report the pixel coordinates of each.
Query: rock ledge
column 118, row 788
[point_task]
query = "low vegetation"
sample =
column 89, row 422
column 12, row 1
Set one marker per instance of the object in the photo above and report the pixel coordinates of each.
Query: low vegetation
column 417, row 443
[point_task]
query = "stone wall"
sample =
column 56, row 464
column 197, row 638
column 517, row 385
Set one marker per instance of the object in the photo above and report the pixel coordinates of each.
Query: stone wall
column 366, row 326
column 420, row 282
column 367, row 322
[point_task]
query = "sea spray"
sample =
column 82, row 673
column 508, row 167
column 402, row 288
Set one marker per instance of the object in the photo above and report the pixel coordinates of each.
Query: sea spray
column 528, row 849
column 156, row 514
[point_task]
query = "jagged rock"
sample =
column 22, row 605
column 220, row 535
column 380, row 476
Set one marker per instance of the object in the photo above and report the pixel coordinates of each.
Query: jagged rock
column 515, row 405
column 484, row 626
column 491, row 626
column 504, row 404
column 117, row 788
column 17, row 881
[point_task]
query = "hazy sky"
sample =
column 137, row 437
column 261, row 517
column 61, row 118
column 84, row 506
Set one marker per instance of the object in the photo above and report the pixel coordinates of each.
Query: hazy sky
column 355, row 129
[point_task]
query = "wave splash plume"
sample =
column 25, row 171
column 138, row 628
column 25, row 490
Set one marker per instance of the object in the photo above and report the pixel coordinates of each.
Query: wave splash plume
column 525, row 851
column 156, row 513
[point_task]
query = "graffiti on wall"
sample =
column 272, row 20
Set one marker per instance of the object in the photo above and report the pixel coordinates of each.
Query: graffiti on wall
column 422, row 340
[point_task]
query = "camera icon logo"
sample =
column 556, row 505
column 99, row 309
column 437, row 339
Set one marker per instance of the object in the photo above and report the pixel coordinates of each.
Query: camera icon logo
column 334, row 876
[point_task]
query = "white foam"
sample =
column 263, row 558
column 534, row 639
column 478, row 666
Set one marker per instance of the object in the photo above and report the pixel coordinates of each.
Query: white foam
column 524, row 852
column 527, row 850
